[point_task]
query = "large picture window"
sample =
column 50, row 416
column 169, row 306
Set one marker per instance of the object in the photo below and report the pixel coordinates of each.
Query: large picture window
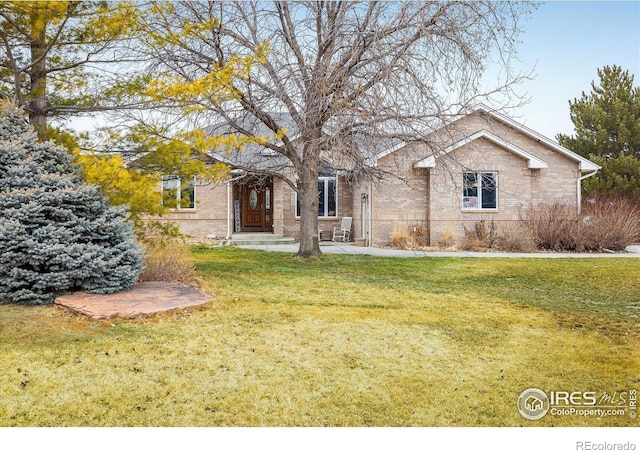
column 480, row 190
column 178, row 193
column 327, row 196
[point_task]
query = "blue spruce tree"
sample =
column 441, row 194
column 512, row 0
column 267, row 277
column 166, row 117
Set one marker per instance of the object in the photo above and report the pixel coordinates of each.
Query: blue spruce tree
column 57, row 233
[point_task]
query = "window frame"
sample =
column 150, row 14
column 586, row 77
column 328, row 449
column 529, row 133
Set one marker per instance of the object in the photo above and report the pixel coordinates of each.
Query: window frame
column 179, row 192
column 325, row 201
column 480, row 177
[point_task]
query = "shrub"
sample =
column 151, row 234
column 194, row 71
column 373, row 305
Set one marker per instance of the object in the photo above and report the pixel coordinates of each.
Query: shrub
column 411, row 238
column 57, row 234
column 482, row 236
column 167, row 255
column 611, row 223
column 401, row 240
column 418, row 236
column 488, row 235
column 447, row 239
column 552, row 225
column 604, row 223
column 515, row 238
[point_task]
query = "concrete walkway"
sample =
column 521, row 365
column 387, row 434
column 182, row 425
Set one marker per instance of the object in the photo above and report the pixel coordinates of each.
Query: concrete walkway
column 633, row 251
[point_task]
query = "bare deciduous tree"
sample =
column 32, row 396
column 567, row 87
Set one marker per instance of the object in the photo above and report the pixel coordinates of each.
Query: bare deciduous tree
column 331, row 81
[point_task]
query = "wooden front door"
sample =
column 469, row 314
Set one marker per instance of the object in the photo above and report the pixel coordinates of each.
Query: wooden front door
column 256, row 206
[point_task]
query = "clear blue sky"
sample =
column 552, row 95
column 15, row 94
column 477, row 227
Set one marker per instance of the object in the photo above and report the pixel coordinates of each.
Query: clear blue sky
column 565, row 43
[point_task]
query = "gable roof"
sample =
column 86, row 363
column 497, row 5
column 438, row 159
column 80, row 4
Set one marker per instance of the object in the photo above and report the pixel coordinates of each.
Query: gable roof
column 584, row 164
column 533, row 162
column 262, row 158
column 251, row 154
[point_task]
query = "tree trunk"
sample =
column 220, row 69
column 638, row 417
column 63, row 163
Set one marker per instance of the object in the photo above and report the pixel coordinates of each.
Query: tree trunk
column 38, row 78
column 308, row 196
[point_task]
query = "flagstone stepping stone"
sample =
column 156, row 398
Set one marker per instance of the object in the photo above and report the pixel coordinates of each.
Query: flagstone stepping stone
column 142, row 299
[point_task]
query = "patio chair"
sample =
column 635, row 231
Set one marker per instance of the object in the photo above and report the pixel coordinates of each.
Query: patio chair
column 344, row 232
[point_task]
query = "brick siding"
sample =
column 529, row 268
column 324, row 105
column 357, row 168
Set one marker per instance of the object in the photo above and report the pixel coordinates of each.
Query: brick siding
column 435, row 195
column 426, row 198
column 208, row 217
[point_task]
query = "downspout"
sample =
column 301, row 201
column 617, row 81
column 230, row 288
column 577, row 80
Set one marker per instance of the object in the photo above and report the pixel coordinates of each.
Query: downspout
column 370, row 203
column 363, row 215
column 229, row 209
column 580, row 188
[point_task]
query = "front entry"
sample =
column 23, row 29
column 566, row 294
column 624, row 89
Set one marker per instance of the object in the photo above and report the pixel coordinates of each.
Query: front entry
column 256, row 203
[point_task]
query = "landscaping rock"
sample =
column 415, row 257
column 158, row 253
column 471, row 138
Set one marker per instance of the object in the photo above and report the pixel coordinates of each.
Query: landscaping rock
column 142, row 299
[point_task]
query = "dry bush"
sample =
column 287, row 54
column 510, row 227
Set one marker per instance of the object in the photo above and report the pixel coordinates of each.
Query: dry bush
column 167, row 255
column 473, row 244
column 418, row 236
column 411, row 238
column 401, row 240
column 513, row 237
column 482, row 236
column 604, row 223
column 447, row 239
column 553, row 226
column 611, row 223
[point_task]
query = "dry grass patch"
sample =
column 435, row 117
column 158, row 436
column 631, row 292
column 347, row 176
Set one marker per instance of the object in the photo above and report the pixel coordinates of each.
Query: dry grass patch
column 167, row 254
column 338, row 341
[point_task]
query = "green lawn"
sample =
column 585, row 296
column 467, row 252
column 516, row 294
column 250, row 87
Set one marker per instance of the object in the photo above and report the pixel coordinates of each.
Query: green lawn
column 336, row 341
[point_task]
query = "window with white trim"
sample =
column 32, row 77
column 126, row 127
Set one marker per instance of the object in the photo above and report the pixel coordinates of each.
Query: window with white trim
column 178, row 192
column 480, row 190
column 327, row 195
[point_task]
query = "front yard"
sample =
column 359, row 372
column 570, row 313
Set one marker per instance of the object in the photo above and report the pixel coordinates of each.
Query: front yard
column 340, row 341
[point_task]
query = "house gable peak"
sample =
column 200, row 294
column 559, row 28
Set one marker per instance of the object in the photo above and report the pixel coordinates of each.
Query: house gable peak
column 532, row 161
column 584, row 164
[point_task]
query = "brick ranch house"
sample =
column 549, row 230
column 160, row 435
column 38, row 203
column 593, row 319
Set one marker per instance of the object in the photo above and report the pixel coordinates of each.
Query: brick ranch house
column 488, row 166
